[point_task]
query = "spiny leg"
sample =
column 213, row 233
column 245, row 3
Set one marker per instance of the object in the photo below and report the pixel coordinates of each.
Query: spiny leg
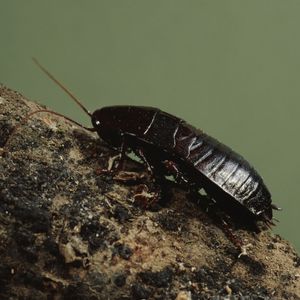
column 236, row 241
column 150, row 166
column 156, row 170
column 173, row 169
column 223, row 220
column 124, row 147
column 116, row 163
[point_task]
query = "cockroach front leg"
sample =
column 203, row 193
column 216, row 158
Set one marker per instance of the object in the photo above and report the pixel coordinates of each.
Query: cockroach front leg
column 116, row 163
column 122, row 154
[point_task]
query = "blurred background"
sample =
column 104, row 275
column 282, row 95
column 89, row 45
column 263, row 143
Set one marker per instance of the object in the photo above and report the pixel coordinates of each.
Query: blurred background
column 231, row 68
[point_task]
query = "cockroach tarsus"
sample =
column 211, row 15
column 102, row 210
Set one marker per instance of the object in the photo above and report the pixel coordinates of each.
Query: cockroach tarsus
column 169, row 145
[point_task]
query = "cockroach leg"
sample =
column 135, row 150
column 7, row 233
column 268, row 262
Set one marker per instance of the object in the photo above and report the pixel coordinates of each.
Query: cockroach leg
column 236, row 241
column 145, row 197
column 154, row 167
column 116, row 163
column 122, row 155
column 157, row 189
column 173, row 169
column 146, row 161
column 129, row 177
column 111, row 163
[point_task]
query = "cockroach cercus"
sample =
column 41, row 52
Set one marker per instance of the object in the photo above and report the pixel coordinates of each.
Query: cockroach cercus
column 166, row 143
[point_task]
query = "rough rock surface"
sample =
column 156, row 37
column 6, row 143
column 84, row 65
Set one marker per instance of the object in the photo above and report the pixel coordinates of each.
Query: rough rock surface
column 70, row 231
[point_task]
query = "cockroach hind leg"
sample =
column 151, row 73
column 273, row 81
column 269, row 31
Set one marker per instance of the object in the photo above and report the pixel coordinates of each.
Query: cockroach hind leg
column 236, row 241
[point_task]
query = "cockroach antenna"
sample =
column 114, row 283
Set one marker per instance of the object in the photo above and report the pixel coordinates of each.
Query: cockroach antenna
column 61, row 86
column 28, row 116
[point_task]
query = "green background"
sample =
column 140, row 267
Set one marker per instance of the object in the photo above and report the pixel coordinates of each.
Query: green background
column 231, row 68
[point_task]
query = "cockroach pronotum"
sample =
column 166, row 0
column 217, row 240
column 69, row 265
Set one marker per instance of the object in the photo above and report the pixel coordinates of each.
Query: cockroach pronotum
column 166, row 143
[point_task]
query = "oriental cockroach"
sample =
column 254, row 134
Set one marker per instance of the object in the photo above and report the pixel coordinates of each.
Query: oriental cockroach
column 168, row 144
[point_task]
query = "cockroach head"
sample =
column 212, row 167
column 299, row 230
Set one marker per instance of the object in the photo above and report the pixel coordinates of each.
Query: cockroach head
column 105, row 125
column 104, row 118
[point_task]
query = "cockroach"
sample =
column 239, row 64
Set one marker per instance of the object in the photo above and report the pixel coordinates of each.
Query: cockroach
column 168, row 144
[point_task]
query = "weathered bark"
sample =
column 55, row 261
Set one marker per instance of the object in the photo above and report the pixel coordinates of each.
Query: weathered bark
column 70, row 231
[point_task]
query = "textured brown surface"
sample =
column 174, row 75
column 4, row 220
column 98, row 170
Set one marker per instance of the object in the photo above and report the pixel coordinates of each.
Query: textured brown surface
column 68, row 231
